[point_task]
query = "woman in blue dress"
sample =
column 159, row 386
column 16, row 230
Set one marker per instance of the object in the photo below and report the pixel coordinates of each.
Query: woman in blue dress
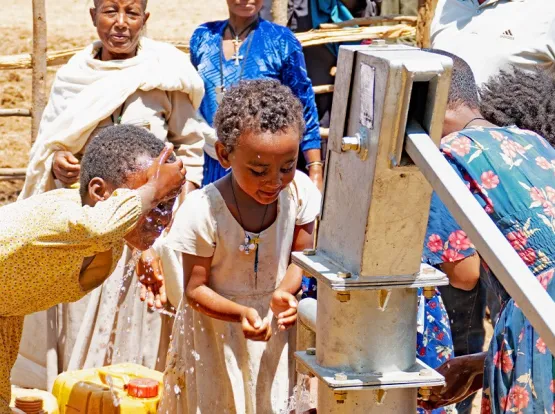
column 248, row 47
column 511, row 173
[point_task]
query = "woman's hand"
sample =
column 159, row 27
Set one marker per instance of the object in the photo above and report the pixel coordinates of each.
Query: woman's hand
column 65, row 167
column 463, row 377
column 151, row 275
column 284, row 306
column 316, row 174
column 255, row 328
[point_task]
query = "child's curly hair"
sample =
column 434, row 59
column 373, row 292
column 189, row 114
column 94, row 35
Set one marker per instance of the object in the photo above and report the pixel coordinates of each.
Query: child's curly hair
column 257, row 106
column 114, row 153
column 524, row 99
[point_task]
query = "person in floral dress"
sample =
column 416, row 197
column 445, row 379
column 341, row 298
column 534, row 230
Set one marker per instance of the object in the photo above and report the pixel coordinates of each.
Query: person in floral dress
column 511, row 172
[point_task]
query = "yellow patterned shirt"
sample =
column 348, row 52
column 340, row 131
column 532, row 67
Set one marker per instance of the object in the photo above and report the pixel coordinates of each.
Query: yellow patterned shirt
column 44, row 239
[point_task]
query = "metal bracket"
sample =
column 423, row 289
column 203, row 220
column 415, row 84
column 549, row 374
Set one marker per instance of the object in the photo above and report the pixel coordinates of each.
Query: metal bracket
column 333, row 275
column 417, row 376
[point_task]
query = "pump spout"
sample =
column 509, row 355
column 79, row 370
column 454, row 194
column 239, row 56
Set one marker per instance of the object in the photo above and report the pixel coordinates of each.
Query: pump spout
column 307, row 313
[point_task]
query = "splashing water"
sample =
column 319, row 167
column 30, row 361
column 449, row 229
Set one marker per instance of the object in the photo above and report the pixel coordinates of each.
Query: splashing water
column 130, row 270
column 131, row 265
column 165, row 312
column 155, row 224
column 115, row 399
column 301, row 399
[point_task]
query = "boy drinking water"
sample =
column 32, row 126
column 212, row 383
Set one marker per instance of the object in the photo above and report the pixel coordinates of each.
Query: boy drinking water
column 57, row 246
column 229, row 354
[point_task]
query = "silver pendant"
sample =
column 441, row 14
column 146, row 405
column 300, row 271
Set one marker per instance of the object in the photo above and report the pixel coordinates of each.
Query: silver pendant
column 249, row 245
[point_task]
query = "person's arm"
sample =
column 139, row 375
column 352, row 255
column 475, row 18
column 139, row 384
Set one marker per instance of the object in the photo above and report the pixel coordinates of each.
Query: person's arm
column 108, row 221
column 463, row 377
column 203, row 299
column 463, row 274
column 284, row 303
column 448, row 247
column 294, row 75
column 315, row 166
column 309, row 200
column 105, row 224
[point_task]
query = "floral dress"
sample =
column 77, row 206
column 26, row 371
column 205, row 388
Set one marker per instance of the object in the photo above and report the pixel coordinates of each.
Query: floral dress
column 511, row 172
column 434, row 344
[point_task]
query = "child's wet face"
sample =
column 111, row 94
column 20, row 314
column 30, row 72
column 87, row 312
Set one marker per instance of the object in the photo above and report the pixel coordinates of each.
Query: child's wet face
column 264, row 164
column 151, row 225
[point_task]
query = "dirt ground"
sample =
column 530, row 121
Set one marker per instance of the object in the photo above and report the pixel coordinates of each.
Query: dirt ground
column 69, row 26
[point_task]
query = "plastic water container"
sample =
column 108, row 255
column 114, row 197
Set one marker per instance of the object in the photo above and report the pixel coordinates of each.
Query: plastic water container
column 33, row 401
column 116, row 389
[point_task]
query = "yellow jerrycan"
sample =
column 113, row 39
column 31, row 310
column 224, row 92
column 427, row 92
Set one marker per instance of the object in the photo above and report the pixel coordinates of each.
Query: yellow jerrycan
column 117, row 389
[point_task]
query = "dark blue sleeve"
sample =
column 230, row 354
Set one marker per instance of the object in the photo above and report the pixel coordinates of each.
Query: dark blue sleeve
column 295, row 76
column 194, row 46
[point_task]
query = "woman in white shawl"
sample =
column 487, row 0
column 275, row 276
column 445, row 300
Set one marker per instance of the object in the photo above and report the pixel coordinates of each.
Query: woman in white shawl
column 123, row 78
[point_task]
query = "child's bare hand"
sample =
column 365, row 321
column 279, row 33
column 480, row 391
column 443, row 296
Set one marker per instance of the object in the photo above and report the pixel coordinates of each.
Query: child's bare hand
column 151, row 276
column 284, row 306
column 255, row 328
column 165, row 180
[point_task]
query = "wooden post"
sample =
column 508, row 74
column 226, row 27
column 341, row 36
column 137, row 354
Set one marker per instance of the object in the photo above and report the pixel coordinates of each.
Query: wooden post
column 279, row 12
column 426, row 10
column 38, row 65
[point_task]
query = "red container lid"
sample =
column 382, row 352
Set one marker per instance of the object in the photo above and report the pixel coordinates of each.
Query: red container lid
column 143, row 388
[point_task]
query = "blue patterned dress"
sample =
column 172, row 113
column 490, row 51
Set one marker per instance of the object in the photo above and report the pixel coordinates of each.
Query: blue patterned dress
column 434, row 344
column 511, row 172
column 269, row 51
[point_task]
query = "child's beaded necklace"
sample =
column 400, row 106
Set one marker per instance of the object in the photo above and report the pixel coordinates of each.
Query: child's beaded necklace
column 250, row 243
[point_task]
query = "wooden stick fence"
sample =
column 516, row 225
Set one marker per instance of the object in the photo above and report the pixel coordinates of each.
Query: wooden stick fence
column 40, row 59
column 15, row 112
column 38, row 65
column 311, row 38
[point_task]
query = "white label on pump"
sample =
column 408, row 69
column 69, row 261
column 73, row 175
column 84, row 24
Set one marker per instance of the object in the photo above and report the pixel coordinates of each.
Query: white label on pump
column 367, row 82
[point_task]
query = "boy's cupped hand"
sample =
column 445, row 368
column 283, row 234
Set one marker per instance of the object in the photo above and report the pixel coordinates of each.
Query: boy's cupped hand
column 254, row 327
column 284, row 306
column 151, row 276
column 165, row 180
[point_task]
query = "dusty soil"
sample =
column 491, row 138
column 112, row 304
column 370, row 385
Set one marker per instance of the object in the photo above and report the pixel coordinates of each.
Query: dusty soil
column 69, row 26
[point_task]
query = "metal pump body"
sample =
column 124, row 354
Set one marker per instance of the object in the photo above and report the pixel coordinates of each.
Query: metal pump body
column 369, row 245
